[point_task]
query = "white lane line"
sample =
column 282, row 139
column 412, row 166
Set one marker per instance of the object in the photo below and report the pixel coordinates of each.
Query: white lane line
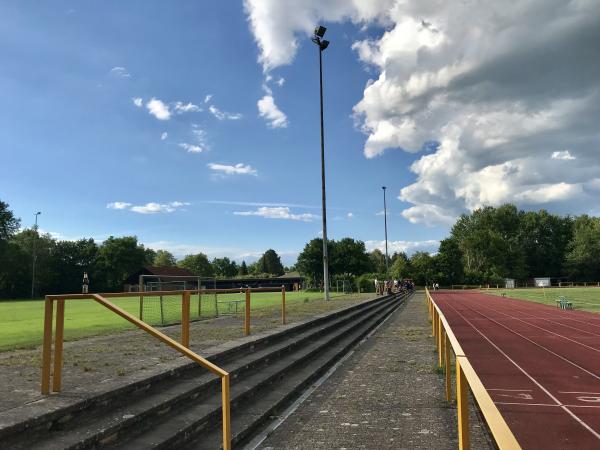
column 533, row 342
column 509, row 390
column 578, row 392
column 538, row 384
column 546, row 404
column 532, row 316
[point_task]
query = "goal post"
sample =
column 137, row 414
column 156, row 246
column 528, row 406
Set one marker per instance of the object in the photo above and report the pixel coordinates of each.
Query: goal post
column 163, row 308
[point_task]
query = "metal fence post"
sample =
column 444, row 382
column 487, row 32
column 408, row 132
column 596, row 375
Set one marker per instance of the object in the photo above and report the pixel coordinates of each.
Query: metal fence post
column 247, row 314
column 185, row 319
column 226, row 412
column 283, row 304
column 47, row 346
column 58, row 345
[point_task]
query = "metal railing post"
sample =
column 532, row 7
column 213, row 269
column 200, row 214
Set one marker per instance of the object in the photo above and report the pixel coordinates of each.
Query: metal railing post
column 283, row 304
column 440, row 341
column 247, row 314
column 58, row 345
column 447, row 366
column 226, row 412
column 185, row 319
column 47, row 346
column 462, row 407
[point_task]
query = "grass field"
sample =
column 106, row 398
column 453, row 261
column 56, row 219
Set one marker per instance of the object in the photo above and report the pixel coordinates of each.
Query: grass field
column 585, row 299
column 21, row 321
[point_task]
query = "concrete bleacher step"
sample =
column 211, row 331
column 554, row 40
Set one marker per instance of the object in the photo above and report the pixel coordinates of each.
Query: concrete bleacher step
column 178, row 407
column 256, row 396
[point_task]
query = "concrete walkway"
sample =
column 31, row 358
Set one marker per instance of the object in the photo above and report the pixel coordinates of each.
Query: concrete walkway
column 387, row 395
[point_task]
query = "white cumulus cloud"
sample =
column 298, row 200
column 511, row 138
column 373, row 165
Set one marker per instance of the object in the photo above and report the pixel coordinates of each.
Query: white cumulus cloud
column 180, row 107
column 120, row 72
column 408, row 247
column 191, row 148
column 158, row 109
column 277, row 212
column 479, row 94
column 238, row 169
column 222, row 115
column 137, row 101
column 118, row 205
column 564, row 155
column 271, row 113
column 164, row 135
column 148, row 208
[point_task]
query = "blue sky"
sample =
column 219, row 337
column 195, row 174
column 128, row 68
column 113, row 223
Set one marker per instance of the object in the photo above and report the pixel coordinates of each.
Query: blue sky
column 194, row 125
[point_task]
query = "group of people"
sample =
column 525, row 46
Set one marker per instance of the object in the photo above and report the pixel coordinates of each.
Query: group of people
column 393, row 286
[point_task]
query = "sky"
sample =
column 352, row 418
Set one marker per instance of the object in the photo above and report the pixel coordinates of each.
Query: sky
column 195, row 125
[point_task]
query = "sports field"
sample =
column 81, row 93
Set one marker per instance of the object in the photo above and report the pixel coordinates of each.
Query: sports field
column 21, row 321
column 584, row 299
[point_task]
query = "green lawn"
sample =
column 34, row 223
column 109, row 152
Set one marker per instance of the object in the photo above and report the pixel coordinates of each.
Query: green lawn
column 21, row 321
column 585, row 299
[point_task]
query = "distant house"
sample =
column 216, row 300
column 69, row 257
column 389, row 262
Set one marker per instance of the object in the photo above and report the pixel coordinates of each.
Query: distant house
column 132, row 283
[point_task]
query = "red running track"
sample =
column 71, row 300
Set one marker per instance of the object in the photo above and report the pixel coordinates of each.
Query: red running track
column 540, row 365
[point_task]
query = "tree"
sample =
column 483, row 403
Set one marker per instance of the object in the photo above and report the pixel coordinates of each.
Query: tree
column 117, row 259
column 310, row 260
column 197, row 264
column 448, row 263
column 401, row 267
column 69, row 260
column 243, row 270
column 9, row 224
column 163, row 258
column 349, row 258
column 422, row 268
column 270, row 263
column 224, row 267
column 377, row 259
column 583, row 252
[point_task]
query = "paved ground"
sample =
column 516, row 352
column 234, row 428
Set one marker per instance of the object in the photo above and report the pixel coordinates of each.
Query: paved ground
column 387, row 395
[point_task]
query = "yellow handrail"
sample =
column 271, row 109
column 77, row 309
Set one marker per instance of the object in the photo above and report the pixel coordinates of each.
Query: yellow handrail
column 58, row 347
column 466, row 378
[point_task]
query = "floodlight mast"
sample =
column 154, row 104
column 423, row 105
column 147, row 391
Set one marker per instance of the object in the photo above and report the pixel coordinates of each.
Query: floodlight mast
column 387, row 259
column 35, row 228
column 323, row 44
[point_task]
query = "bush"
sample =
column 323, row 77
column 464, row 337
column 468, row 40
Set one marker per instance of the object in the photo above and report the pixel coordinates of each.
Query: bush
column 365, row 282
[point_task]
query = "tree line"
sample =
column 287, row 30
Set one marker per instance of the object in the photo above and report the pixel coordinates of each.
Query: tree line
column 484, row 246
column 60, row 263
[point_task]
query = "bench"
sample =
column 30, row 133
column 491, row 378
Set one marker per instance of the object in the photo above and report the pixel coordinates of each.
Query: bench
column 563, row 303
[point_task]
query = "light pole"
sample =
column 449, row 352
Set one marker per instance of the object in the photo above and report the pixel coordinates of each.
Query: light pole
column 322, row 45
column 35, row 227
column 387, row 268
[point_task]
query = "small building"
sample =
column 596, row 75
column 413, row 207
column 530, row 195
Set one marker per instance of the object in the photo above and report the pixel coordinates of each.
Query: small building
column 542, row 282
column 509, row 283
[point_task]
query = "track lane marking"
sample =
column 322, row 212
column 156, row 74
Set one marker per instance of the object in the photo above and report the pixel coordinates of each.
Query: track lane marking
column 533, row 342
column 558, row 403
column 536, row 326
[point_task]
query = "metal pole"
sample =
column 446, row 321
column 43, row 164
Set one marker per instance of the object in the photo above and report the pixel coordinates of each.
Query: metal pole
column 387, row 268
column 325, row 252
column 34, row 255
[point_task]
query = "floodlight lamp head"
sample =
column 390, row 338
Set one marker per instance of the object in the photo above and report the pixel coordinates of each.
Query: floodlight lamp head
column 324, row 45
column 320, row 31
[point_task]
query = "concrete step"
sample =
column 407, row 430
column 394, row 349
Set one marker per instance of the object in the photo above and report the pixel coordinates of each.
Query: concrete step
column 108, row 421
column 255, row 396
